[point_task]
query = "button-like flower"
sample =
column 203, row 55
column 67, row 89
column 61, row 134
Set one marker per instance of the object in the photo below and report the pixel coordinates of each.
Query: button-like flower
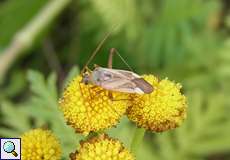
column 40, row 144
column 91, row 108
column 102, row 148
column 163, row 109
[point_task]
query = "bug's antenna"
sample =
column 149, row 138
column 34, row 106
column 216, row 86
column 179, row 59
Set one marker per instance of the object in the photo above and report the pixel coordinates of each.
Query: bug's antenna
column 98, row 48
column 112, row 51
column 124, row 60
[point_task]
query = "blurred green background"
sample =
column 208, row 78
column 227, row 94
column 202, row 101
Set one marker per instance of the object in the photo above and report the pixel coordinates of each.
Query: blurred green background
column 43, row 44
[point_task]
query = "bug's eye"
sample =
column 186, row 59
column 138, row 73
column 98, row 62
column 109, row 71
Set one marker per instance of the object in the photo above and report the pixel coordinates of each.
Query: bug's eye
column 86, row 82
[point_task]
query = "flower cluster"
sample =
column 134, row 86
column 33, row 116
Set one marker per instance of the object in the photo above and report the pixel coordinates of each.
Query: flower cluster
column 40, row 144
column 163, row 109
column 101, row 147
column 89, row 108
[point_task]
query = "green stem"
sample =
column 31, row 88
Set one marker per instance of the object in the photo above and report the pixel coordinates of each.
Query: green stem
column 137, row 139
column 25, row 37
column 91, row 135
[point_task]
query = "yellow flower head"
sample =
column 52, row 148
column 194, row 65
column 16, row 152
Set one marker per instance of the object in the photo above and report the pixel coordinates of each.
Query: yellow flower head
column 40, row 144
column 163, row 109
column 101, row 147
column 91, row 108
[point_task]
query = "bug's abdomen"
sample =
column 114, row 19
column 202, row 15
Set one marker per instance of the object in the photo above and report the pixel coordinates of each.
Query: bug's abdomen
column 143, row 85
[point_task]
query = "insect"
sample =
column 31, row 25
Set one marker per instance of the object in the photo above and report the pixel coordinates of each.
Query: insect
column 117, row 80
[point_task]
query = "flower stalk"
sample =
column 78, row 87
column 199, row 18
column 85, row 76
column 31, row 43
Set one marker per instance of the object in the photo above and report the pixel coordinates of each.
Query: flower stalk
column 137, row 139
column 25, row 37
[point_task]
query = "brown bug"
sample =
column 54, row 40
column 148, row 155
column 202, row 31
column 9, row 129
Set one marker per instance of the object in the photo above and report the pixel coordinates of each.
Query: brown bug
column 115, row 79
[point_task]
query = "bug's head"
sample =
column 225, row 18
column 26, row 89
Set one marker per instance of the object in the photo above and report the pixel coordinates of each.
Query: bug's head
column 85, row 78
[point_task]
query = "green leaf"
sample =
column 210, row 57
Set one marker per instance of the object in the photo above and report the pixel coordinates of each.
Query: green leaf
column 72, row 73
column 51, row 85
column 38, row 87
column 13, row 16
column 14, row 117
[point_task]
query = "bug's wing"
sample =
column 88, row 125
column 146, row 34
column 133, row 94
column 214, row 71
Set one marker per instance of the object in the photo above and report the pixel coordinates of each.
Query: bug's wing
column 143, row 85
column 123, row 81
column 140, row 83
column 121, row 85
column 120, row 73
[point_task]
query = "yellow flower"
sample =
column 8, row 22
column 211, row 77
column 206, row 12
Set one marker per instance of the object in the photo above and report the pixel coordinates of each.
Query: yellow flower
column 90, row 108
column 163, row 109
column 40, row 144
column 102, row 148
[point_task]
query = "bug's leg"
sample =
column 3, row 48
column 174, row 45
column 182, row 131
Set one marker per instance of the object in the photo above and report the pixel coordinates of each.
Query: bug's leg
column 110, row 95
column 112, row 99
column 79, row 83
column 98, row 92
column 87, row 69
column 96, row 65
column 110, row 60
column 93, row 87
column 120, row 99
column 90, row 93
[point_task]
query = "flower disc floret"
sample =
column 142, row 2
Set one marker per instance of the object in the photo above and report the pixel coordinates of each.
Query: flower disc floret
column 40, row 144
column 163, row 109
column 102, row 148
column 91, row 108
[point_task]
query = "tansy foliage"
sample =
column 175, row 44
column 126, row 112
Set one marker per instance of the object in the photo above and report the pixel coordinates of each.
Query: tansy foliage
column 42, row 108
